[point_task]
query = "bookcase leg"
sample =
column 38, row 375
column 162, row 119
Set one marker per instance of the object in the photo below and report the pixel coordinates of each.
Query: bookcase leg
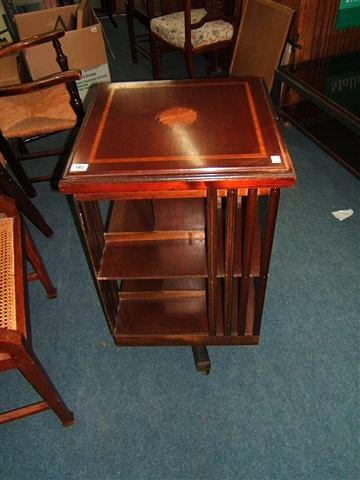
column 265, row 256
column 201, row 358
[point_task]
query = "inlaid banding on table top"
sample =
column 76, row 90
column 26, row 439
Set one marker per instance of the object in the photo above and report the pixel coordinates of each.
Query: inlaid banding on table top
column 180, row 127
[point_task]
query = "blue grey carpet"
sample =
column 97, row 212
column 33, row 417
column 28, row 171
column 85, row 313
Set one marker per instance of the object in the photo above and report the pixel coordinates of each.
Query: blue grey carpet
column 286, row 409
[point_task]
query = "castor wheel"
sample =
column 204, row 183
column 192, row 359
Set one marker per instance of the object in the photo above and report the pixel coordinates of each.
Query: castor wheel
column 201, row 358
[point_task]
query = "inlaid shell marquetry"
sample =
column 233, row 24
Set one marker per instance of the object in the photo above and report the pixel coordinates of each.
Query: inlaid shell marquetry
column 177, row 116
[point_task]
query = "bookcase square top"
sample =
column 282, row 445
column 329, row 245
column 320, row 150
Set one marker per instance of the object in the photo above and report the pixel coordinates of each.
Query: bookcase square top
column 213, row 129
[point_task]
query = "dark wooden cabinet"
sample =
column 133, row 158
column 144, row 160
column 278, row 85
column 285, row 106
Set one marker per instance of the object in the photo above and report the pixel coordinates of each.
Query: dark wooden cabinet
column 190, row 174
column 329, row 112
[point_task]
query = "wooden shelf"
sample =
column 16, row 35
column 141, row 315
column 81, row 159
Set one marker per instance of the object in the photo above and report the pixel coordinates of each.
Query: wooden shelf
column 153, row 259
column 167, row 307
column 156, row 216
column 155, row 239
column 176, row 311
column 134, row 250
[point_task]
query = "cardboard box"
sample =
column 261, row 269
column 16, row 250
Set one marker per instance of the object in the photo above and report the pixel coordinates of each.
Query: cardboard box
column 84, row 48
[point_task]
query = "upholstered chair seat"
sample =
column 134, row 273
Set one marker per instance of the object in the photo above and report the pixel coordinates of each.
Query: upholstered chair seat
column 36, row 113
column 171, row 28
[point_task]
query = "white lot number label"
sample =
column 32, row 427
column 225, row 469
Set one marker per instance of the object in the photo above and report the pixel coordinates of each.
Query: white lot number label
column 275, row 159
column 79, row 167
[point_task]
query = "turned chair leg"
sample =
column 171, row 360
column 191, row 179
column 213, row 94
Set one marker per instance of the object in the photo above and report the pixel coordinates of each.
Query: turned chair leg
column 189, row 64
column 110, row 14
column 209, row 64
column 38, row 264
column 11, row 189
column 131, row 31
column 16, row 167
column 155, row 57
column 22, row 146
column 31, row 368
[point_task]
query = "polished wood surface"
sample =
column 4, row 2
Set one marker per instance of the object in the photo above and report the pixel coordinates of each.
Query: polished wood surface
column 241, row 146
column 329, row 110
column 193, row 171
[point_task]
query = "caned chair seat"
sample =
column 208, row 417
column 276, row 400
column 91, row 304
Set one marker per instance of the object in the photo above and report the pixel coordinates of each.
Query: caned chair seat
column 36, row 113
column 7, row 275
column 171, row 28
column 7, row 279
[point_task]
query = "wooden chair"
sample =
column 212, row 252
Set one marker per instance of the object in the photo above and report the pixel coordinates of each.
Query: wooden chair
column 137, row 12
column 15, row 343
column 37, row 108
column 191, row 31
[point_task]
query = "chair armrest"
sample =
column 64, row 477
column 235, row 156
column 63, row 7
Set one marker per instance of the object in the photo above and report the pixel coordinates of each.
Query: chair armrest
column 30, row 42
column 46, row 82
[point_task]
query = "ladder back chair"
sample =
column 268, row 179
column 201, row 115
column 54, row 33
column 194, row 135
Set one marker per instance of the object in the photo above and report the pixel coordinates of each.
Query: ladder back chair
column 37, row 108
column 15, row 344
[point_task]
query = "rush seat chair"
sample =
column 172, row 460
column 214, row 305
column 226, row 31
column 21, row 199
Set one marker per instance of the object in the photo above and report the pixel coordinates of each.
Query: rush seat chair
column 38, row 108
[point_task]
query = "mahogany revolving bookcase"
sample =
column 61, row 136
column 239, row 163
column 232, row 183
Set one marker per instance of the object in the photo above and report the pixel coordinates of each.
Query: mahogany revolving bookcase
column 176, row 186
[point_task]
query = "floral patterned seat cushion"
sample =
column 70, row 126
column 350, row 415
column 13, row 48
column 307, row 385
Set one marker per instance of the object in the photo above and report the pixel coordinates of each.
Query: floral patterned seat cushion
column 171, row 28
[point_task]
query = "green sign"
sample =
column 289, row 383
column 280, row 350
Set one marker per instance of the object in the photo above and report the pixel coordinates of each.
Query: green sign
column 349, row 14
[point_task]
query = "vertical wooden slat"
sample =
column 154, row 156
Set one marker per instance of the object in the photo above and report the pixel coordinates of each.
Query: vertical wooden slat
column 93, row 238
column 229, row 258
column 265, row 256
column 211, row 232
column 247, row 247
